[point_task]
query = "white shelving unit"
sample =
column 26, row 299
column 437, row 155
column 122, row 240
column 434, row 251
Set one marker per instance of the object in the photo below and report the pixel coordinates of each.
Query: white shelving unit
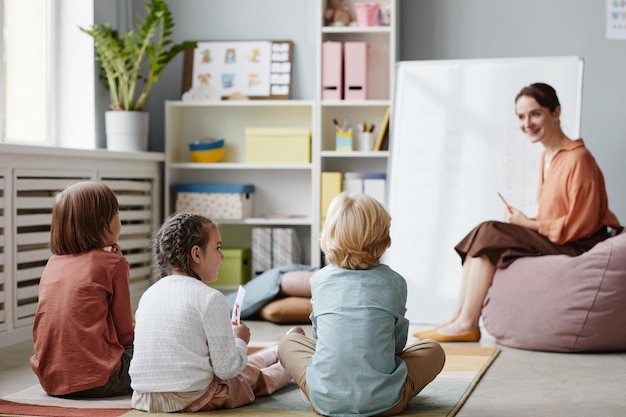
column 290, row 190
column 380, row 79
column 284, row 193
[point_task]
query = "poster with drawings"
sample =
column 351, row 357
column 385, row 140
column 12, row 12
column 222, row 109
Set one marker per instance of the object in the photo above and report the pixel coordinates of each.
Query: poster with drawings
column 256, row 69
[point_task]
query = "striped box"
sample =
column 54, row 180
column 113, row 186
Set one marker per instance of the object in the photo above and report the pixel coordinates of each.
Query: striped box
column 261, row 250
column 285, row 247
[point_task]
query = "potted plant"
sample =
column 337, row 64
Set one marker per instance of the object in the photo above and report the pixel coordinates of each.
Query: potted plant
column 123, row 61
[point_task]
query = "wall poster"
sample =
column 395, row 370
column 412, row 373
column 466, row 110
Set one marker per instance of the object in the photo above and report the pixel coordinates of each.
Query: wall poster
column 256, row 69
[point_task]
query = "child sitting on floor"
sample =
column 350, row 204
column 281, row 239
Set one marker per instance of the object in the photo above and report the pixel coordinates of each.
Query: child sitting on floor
column 188, row 357
column 357, row 362
column 83, row 330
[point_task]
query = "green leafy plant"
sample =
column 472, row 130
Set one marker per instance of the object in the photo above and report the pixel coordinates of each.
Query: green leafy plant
column 122, row 58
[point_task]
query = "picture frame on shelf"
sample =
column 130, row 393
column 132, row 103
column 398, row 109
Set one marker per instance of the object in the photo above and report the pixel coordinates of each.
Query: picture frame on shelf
column 254, row 69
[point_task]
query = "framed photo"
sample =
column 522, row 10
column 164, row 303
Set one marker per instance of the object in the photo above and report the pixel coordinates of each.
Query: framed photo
column 256, row 69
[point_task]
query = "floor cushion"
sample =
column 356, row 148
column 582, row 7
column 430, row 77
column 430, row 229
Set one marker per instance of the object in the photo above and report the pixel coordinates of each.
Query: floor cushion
column 294, row 310
column 559, row 303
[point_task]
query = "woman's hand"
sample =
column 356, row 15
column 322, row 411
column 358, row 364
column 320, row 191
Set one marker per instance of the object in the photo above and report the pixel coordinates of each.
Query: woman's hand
column 242, row 332
column 514, row 216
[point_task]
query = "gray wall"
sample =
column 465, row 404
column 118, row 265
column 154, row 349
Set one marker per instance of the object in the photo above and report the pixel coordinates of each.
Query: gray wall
column 452, row 29
column 236, row 20
column 436, row 29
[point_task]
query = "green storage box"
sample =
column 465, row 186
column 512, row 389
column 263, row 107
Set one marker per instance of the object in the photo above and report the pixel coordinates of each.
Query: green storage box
column 236, row 268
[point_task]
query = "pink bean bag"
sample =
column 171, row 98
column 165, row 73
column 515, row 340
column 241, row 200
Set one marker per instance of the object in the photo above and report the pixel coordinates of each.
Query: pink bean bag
column 559, row 303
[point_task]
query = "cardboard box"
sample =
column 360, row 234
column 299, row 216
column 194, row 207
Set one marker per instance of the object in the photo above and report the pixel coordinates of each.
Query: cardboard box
column 236, row 268
column 278, row 145
column 216, row 201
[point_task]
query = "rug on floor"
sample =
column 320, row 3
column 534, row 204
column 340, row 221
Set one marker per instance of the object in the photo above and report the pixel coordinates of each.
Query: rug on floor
column 443, row 397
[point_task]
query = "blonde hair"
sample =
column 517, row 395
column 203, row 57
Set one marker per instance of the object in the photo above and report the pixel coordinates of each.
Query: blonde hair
column 356, row 231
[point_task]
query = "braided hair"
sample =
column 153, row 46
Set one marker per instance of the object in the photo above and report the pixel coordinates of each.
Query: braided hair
column 173, row 242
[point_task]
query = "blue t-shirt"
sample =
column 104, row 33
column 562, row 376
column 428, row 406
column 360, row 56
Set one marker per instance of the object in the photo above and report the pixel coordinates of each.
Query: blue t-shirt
column 360, row 329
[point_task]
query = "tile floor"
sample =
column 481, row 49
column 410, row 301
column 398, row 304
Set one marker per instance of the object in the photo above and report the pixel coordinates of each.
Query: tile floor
column 518, row 384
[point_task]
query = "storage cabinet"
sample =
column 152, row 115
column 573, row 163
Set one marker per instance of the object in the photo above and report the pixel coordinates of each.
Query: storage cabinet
column 286, row 194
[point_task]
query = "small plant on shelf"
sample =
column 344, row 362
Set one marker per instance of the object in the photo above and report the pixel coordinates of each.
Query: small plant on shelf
column 123, row 57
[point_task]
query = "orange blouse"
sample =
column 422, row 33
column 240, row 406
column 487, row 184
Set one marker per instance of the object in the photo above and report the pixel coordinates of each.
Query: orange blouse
column 572, row 198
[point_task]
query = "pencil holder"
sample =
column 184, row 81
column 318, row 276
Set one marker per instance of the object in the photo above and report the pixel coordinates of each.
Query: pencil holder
column 343, row 141
column 366, row 141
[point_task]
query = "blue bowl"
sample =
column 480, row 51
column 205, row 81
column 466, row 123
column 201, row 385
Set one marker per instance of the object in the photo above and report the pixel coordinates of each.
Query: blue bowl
column 205, row 146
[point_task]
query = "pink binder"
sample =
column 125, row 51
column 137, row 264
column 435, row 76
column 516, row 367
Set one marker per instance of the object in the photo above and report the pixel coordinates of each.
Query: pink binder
column 355, row 63
column 332, row 70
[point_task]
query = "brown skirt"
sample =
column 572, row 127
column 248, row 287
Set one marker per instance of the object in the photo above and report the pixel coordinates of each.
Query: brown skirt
column 502, row 243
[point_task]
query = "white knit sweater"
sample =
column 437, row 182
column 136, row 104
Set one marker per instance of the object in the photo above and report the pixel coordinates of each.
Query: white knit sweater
column 183, row 337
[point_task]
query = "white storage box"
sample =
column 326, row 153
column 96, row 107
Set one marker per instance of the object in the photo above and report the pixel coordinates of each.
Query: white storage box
column 216, row 201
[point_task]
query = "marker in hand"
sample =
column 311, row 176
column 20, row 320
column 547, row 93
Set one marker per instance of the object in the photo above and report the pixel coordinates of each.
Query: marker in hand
column 508, row 207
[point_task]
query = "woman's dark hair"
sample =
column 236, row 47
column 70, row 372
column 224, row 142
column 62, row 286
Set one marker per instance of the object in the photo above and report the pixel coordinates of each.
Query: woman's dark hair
column 177, row 236
column 81, row 216
column 543, row 93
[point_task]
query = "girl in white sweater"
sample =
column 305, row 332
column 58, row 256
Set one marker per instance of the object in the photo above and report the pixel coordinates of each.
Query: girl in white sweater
column 188, row 356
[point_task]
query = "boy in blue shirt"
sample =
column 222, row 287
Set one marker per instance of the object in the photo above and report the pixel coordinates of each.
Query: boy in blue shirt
column 357, row 363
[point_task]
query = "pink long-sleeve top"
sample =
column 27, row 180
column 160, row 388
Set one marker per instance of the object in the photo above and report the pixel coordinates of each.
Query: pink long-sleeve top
column 572, row 198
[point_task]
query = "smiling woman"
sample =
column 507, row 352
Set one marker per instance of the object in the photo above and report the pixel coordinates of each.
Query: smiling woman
column 48, row 77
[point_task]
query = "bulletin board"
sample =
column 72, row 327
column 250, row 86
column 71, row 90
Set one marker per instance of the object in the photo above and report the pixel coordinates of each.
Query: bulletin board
column 256, row 69
column 455, row 144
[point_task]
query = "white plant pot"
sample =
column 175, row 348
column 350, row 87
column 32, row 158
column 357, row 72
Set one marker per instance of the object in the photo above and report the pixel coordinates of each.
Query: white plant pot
column 126, row 130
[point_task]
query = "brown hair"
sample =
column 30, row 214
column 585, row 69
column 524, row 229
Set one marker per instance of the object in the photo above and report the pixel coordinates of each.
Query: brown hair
column 356, row 231
column 543, row 93
column 81, row 216
column 177, row 236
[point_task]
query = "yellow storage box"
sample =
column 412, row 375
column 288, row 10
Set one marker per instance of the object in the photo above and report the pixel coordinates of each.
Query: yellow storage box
column 236, row 268
column 278, row 145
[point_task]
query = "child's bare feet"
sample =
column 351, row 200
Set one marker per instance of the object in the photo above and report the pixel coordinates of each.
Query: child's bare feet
column 296, row 329
column 270, row 355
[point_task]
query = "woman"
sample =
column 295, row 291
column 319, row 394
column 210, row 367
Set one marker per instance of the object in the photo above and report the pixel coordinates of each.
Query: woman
column 573, row 214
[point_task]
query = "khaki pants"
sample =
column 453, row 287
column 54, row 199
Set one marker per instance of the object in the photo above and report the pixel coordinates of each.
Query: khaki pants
column 424, row 361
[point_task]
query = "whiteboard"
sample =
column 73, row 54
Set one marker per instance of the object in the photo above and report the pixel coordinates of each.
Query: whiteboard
column 455, row 144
